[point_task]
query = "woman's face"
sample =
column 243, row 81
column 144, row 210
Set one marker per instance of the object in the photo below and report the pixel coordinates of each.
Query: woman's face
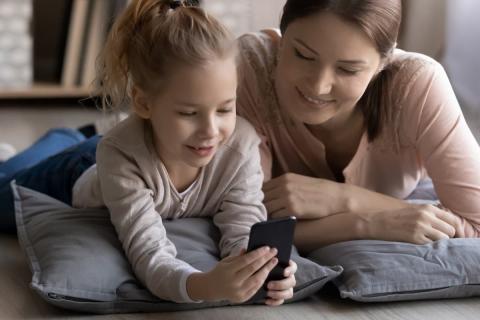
column 324, row 66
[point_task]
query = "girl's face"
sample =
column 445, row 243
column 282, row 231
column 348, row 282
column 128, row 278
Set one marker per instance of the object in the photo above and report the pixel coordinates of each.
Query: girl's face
column 324, row 66
column 193, row 114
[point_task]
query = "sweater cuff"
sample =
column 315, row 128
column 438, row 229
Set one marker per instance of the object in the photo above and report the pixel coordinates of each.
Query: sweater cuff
column 183, row 285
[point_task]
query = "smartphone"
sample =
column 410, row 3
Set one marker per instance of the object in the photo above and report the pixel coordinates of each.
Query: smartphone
column 275, row 233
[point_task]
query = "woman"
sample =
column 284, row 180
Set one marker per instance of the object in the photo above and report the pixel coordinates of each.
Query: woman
column 350, row 125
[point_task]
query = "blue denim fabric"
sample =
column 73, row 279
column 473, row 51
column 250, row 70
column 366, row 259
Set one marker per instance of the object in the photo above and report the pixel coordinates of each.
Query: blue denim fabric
column 49, row 144
column 54, row 176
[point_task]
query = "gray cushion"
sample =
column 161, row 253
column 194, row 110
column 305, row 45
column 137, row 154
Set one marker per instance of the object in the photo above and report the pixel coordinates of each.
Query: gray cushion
column 78, row 263
column 393, row 271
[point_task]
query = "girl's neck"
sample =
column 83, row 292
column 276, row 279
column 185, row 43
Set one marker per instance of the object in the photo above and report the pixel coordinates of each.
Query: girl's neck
column 182, row 177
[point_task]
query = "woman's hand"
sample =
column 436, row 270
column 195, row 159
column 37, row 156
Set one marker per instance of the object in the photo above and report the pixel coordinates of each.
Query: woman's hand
column 417, row 224
column 281, row 290
column 304, row 197
column 235, row 278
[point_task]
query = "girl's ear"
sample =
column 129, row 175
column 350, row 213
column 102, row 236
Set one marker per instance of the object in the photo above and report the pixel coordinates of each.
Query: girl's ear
column 140, row 103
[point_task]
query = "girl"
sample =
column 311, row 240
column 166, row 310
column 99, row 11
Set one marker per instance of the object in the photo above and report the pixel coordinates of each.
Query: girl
column 350, row 126
column 180, row 154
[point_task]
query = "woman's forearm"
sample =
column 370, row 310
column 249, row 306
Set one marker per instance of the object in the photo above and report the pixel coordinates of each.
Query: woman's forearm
column 312, row 234
column 359, row 199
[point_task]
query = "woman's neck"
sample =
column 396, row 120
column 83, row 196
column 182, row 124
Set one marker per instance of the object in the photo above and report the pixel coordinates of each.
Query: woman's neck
column 341, row 137
column 343, row 128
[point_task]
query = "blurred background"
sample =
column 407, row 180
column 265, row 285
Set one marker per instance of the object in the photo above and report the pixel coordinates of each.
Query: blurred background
column 48, row 50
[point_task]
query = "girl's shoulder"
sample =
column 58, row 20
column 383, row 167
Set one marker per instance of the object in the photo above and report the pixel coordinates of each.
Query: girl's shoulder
column 129, row 134
column 244, row 139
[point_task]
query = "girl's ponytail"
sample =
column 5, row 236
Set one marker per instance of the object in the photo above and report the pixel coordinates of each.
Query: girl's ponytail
column 148, row 38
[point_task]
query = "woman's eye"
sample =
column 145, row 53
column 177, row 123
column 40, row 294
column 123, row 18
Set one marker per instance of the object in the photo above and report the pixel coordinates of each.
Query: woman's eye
column 301, row 56
column 348, row 71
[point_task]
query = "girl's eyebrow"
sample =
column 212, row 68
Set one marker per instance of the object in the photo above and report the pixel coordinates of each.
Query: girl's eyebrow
column 192, row 104
column 354, row 61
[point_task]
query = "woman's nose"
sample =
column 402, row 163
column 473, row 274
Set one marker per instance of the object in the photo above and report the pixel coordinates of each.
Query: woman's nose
column 321, row 82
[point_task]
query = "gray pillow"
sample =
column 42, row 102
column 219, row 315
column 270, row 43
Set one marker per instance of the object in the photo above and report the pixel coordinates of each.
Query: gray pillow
column 78, row 263
column 393, row 271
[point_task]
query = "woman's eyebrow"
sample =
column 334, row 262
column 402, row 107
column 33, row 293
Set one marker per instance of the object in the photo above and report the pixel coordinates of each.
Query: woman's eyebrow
column 192, row 104
column 349, row 61
column 353, row 61
column 306, row 46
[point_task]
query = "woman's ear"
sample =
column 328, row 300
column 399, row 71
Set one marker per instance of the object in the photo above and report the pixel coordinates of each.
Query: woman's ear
column 140, row 103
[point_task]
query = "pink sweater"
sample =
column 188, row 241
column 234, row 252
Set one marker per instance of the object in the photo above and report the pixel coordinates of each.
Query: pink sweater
column 427, row 138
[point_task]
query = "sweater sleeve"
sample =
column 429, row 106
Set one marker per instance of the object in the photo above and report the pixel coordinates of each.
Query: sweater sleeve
column 139, row 226
column 241, row 205
column 446, row 146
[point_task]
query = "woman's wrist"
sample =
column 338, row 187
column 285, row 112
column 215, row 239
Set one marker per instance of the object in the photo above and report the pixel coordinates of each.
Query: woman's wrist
column 350, row 202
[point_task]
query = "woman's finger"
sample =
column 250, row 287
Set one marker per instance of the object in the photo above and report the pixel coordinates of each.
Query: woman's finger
column 274, row 205
column 435, row 235
column 271, row 184
column 273, row 194
column 443, row 227
column 449, row 218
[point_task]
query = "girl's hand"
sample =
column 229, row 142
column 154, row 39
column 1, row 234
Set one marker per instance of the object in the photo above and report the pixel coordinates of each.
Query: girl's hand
column 235, row 278
column 281, row 290
column 304, row 197
column 419, row 224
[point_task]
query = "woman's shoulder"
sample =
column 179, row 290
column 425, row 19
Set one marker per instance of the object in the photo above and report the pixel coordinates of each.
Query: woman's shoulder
column 408, row 66
column 259, row 49
column 420, row 91
column 257, row 100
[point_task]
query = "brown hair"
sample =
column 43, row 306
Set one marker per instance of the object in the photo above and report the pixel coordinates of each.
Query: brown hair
column 380, row 20
column 150, row 36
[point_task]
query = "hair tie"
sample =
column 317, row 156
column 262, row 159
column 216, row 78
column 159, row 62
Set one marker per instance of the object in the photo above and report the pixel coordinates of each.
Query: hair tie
column 176, row 3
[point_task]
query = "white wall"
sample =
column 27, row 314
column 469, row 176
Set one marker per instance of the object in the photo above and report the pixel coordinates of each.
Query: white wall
column 242, row 16
column 423, row 27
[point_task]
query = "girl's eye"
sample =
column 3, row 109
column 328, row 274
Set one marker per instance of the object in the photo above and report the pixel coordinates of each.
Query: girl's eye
column 225, row 110
column 187, row 114
column 301, row 56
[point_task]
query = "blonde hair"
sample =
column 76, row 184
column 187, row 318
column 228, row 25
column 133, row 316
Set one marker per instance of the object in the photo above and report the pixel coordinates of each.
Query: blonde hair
column 150, row 36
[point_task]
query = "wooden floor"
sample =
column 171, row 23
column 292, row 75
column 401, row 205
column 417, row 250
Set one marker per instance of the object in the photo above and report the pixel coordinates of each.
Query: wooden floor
column 18, row 301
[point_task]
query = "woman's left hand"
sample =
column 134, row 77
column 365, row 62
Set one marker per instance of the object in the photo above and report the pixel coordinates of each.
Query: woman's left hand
column 281, row 290
column 303, row 197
